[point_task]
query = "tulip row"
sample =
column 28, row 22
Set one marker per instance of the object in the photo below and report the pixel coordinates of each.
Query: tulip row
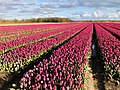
column 22, row 31
column 17, row 33
column 28, row 29
column 23, row 34
column 114, row 25
column 64, row 69
column 110, row 49
column 7, row 30
column 25, row 41
column 111, row 29
column 4, row 47
column 17, row 58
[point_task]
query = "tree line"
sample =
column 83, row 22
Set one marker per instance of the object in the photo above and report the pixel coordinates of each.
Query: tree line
column 52, row 19
column 38, row 20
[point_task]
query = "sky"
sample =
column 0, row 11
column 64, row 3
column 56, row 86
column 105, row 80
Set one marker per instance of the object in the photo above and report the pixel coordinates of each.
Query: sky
column 73, row 9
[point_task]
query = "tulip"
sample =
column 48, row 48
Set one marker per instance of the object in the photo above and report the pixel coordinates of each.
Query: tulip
column 55, row 88
column 45, row 85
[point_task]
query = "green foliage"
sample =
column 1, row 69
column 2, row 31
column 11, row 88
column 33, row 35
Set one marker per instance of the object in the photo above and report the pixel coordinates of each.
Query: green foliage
column 38, row 20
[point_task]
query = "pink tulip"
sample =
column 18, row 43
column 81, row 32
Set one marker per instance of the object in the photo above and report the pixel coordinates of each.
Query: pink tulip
column 63, row 88
column 45, row 85
column 55, row 88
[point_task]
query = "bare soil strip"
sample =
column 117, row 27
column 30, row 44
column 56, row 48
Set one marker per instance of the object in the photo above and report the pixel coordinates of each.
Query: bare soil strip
column 90, row 83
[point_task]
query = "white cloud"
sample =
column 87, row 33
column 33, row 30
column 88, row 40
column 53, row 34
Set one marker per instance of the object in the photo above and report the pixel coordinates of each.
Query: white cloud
column 114, row 15
column 86, row 14
column 51, row 7
column 96, row 15
column 99, row 3
column 48, row 5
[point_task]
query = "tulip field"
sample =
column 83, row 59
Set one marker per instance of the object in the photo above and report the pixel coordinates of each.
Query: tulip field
column 57, row 56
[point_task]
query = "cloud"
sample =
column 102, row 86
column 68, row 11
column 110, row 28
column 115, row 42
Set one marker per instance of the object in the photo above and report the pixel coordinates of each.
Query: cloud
column 38, row 11
column 88, row 3
column 48, row 5
column 114, row 14
column 99, row 3
column 52, row 7
column 67, row 5
column 96, row 15
column 85, row 14
column 82, row 15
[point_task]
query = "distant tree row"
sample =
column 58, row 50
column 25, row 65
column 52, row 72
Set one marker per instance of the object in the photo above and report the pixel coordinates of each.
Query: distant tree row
column 52, row 19
column 34, row 20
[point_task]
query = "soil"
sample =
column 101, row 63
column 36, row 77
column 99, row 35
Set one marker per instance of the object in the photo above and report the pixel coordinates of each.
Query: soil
column 93, row 83
column 90, row 83
column 112, row 85
column 2, row 76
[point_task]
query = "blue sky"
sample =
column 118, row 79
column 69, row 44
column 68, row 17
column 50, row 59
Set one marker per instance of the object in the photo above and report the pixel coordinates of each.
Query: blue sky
column 73, row 9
